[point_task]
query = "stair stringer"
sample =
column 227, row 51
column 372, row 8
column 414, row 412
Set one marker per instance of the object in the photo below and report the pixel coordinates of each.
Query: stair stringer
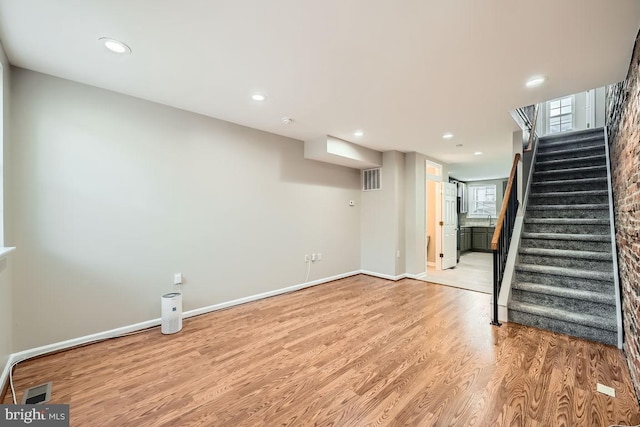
column 614, row 247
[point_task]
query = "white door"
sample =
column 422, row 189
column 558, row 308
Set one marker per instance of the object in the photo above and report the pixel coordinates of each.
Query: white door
column 449, row 225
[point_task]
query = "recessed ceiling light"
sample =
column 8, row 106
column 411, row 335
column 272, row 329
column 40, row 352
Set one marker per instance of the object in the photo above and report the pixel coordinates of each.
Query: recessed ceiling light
column 477, row 153
column 447, row 135
column 535, row 81
column 358, row 133
column 258, row 97
column 115, row 46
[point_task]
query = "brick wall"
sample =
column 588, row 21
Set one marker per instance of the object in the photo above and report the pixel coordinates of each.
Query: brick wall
column 623, row 122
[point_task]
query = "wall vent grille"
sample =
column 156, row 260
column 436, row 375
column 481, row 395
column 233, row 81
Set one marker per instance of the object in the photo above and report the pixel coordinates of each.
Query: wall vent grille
column 38, row 394
column 371, row 179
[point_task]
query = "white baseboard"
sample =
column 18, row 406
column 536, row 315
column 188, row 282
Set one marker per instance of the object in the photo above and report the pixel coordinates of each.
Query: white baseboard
column 113, row 333
column 74, row 342
column 382, row 275
column 418, row 276
column 256, row 297
column 4, row 377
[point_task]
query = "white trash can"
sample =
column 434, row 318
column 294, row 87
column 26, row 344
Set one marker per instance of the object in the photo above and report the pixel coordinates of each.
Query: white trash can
column 171, row 313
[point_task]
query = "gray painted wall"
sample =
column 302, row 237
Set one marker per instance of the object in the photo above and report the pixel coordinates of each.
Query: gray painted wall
column 382, row 218
column 113, row 194
column 6, row 284
column 394, row 217
column 415, row 219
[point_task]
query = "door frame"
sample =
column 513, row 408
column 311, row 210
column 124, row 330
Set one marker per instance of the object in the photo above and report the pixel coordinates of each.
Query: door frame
column 433, row 172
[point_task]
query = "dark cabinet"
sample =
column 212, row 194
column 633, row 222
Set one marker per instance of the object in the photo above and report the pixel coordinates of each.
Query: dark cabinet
column 465, row 239
column 481, row 238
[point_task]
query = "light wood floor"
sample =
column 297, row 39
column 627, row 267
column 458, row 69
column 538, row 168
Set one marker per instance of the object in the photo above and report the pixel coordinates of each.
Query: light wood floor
column 355, row 352
column 474, row 272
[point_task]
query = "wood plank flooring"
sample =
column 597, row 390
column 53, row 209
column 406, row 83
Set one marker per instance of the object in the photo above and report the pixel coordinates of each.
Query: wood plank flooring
column 355, row 352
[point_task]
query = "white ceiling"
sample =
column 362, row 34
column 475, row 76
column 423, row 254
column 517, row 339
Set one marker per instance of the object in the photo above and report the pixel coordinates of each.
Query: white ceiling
column 403, row 71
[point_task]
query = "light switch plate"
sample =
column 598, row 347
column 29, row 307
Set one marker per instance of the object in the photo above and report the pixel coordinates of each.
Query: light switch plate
column 609, row 391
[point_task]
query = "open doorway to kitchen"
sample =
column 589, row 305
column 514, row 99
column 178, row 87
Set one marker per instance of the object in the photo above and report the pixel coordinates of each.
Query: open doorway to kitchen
column 478, row 204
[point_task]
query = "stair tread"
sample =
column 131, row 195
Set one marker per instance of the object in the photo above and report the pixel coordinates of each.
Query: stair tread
column 608, row 324
column 575, row 150
column 567, row 221
column 587, row 135
column 575, row 133
column 586, row 207
column 571, row 193
column 576, row 169
column 600, row 256
column 560, row 291
column 571, row 181
column 565, row 271
column 560, row 161
column 567, row 236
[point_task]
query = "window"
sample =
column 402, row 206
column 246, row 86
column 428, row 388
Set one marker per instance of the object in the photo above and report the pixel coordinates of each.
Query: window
column 482, row 200
column 561, row 114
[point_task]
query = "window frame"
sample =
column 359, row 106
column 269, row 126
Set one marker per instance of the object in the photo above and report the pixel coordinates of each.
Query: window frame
column 471, row 199
column 571, row 115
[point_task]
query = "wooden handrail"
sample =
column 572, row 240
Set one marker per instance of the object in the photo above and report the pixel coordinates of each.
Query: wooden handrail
column 505, row 204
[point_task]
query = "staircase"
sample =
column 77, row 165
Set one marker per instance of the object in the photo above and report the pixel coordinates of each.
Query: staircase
column 564, row 279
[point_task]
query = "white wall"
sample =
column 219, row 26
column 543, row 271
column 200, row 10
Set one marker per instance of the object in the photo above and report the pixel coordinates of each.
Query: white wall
column 581, row 113
column 113, row 194
column 6, row 321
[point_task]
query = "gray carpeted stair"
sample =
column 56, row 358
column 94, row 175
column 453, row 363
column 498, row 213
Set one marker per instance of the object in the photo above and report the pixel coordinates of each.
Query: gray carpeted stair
column 564, row 274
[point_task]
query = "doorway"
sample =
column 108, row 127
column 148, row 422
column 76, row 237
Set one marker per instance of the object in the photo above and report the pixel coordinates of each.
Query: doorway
column 441, row 219
column 473, row 271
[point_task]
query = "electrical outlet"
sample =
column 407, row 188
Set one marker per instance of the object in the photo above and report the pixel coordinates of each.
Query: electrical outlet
column 306, row 258
column 177, row 279
column 318, row 257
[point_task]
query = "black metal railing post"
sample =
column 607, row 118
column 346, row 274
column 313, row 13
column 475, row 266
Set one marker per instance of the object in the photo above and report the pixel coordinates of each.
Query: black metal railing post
column 502, row 236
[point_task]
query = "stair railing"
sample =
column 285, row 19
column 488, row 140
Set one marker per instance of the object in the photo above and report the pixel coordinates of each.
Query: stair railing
column 532, row 146
column 502, row 235
column 533, row 136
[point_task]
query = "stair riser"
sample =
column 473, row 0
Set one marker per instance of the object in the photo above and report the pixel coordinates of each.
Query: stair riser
column 578, row 263
column 544, row 187
column 573, row 329
column 568, row 213
column 563, row 303
column 566, row 228
column 569, row 282
column 560, row 154
column 538, row 200
column 571, row 245
column 562, row 174
column 567, row 164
